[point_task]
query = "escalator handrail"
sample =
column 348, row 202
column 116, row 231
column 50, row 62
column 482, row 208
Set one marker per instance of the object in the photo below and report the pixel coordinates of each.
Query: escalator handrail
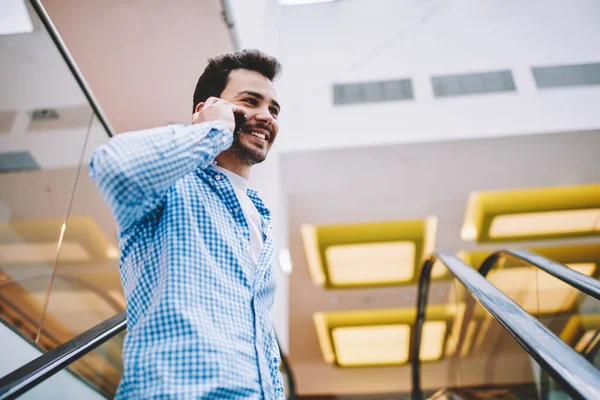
column 586, row 284
column 577, row 376
column 70, row 62
column 38, row 370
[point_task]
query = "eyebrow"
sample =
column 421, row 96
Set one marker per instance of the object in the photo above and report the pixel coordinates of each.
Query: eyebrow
column 258, row 96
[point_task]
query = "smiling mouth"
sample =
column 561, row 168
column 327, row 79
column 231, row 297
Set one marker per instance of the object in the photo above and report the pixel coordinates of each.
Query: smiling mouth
column 258, row 135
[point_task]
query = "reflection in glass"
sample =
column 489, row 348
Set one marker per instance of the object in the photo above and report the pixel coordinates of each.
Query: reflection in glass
column 536, row 291
column 481, row 358
column 44, row 123
column 570, row 314
column 94, row 376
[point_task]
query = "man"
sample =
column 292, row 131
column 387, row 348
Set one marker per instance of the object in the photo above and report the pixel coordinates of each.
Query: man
column 196, row 243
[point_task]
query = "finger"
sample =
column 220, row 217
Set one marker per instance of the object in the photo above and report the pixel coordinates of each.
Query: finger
column 211, row 101
column 238, row 110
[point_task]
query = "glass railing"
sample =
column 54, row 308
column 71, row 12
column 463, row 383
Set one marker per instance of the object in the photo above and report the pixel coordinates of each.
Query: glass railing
column 491, row 346
column 58, row 244
column 566, row 299
column 87, row 366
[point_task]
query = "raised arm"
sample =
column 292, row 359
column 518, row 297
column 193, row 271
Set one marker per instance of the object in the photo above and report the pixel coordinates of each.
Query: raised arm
column 134, row 170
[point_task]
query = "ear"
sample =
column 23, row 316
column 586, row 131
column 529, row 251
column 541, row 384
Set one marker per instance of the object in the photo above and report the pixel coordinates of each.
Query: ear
column 199, row 106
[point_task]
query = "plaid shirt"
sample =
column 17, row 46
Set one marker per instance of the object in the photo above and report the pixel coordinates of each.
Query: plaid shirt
column 198, row 316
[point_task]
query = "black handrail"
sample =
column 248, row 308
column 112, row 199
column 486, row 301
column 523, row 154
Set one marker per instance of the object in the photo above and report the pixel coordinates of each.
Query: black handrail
column 34, row 372
column 576, row 279
column 577, row 376
column 37, row 371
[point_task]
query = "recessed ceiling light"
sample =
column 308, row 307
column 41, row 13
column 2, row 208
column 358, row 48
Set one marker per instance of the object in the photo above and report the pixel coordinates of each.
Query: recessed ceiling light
column 530, row 224
column 533, row 214
column 371, row 345
column 371, row 262
column 368, row 254
column 298, row 2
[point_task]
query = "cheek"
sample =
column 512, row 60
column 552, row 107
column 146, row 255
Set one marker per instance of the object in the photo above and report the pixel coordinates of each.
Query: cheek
column 275, row 128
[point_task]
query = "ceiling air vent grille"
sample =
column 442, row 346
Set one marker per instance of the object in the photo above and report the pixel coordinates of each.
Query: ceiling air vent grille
column 567, row 75
column 486, row 82
column 372, row 92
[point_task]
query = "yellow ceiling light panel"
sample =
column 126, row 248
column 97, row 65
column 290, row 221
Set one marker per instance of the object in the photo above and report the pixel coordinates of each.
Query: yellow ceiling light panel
column 313, row 258
column 473, row 218
column 371, row 345
column 532, row 214
column 386, row 261
column 368, row 254
column 324, row 337
column 548, row 222
column 432, row 341
column 37, row 241
column 382, row 337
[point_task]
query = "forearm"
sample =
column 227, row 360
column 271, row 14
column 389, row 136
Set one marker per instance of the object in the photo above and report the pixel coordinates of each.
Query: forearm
column 134, row 170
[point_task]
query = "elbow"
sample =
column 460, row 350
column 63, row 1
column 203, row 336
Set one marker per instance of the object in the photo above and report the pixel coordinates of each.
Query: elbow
column 109, row 173
column 104, row 166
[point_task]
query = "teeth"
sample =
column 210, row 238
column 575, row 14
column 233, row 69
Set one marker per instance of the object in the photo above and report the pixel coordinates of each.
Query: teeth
column 258, row 135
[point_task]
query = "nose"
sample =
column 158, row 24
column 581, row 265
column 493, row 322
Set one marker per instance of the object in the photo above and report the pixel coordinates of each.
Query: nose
column 264, row 116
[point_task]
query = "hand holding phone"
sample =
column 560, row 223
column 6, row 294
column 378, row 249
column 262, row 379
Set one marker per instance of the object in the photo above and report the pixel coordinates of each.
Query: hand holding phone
column 216, row 109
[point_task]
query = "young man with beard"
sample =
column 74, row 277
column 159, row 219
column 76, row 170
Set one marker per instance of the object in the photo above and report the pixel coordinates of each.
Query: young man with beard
column 196, row 242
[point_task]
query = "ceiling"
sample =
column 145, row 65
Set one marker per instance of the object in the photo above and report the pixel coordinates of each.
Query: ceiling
column 140, row 58
column 405, row 182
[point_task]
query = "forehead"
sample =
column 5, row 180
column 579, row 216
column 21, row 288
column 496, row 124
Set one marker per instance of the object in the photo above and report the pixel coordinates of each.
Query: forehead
column 243, row 79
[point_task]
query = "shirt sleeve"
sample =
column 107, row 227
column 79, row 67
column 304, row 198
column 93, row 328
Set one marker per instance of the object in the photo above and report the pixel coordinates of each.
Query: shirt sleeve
column 134, row 170
column 275, row 371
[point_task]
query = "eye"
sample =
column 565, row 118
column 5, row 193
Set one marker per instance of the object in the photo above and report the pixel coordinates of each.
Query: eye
column 274, row 111
column 251, row 101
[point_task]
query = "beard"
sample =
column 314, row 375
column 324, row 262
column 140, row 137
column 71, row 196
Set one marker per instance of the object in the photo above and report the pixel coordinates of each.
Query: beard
column 249, row 155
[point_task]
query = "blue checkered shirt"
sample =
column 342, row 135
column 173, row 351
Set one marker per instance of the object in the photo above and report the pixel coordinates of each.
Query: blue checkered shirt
column 198, row 314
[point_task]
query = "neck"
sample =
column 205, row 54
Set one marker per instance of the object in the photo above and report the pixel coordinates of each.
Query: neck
column 230, row 163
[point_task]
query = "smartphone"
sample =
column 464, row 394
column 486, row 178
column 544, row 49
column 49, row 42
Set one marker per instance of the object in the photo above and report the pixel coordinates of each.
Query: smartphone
column 240, row 122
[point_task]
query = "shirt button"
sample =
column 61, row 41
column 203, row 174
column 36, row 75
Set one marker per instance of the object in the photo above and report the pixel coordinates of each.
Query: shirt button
column 218, row 177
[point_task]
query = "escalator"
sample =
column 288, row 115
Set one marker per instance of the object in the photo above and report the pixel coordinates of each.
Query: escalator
column 495, row 338
column 526, row 343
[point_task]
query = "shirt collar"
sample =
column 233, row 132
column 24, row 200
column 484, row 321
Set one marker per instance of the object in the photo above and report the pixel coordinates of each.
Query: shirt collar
column 238, row 181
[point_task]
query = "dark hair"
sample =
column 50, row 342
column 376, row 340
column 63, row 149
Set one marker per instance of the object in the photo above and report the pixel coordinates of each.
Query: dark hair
column 215, row 77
